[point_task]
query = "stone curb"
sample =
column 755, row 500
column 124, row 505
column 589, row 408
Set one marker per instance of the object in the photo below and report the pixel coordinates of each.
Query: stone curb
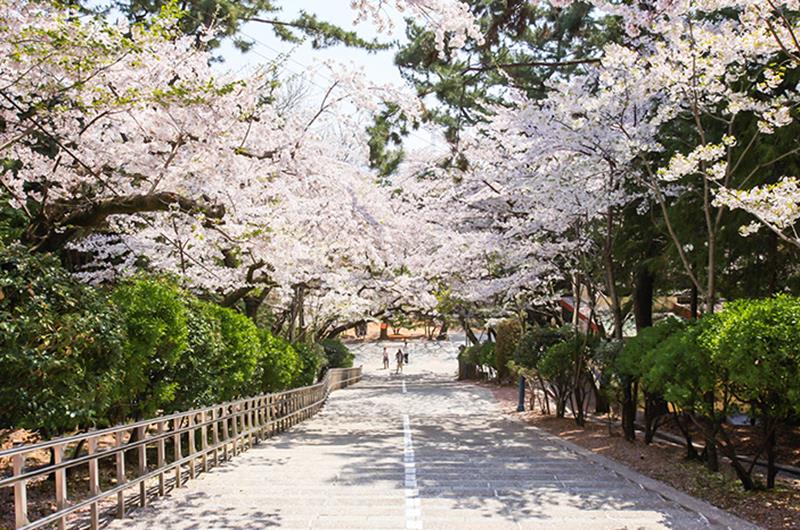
column 712, row 513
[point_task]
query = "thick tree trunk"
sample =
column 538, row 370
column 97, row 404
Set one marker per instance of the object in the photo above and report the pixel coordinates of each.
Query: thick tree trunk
column 630, row 397
column 611, row 279
column 691, row 451
column 654, row 409
column 643, row 297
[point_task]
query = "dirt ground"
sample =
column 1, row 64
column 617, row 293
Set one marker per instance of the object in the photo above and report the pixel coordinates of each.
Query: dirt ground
column 778, row 509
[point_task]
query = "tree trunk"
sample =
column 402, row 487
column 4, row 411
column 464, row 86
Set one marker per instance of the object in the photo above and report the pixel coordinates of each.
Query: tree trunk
column 629, row 402
column 643, row 297
column 771, row 442
column 384, row 330
column 654, row 408
column 611, row 281
column 442, row 335
column 691, row 451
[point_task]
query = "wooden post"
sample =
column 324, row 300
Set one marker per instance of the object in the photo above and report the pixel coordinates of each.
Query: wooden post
column 236, row 411
column 215, row 434
column 192, row 446
column 61, row 484
column 204, row 440
column 20, row 493
column 161, row 456
column 142, row 434
column 225, row 432
column 94, row 483
column 120, row 474
column 250, row 421
column 177, row 452
column 269, row 415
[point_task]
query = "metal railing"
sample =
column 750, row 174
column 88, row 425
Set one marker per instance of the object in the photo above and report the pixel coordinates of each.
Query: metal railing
column 200, row 439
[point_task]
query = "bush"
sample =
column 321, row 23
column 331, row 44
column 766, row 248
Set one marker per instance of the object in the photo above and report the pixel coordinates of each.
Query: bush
column 557, row 367
column 60, row 346
column 479, row 354
column 338, row 355
column 634, row 359
column 221, row 359
column 508, row 335
column 197, row 369
column 312, row 359
column 756, row 347
column 156, row 337
column 279, row 363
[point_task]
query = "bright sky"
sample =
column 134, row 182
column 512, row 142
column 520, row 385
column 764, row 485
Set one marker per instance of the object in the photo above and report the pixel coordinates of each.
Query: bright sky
column 379, row 65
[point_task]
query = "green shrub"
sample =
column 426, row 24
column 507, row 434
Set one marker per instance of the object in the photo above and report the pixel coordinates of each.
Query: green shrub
column 198, row 368
column 221, row 359
column 312, row 359
column 337, row 354
column 154, row 316
column 557, row 367
column 635, row 358
column 757, row 345
column 60, row 346
column 279, row 363
column 508, row 336
column 479, row 354
column 236, row 375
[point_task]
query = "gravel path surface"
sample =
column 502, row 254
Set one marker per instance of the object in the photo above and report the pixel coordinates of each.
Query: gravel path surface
column 419, row 450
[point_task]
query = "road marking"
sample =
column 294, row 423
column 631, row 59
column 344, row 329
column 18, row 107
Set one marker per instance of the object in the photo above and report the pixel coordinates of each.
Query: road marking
column 404, row 386
column 413, row 508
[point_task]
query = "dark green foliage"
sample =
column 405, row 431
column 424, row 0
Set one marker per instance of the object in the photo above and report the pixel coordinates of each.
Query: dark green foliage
column 535, row 343
column 635, row 358
column 279, row 363
column 156, row 338
column 757, row 346
column 61, row 346
column 221, row 359
column 508, row 336
column 338, row 355
column 480, row 354
column 312, row 359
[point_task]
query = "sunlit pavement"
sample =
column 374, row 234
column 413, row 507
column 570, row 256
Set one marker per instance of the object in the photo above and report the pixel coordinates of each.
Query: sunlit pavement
column 419, row 450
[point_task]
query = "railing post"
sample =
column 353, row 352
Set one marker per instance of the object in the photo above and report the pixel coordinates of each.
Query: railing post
column 249, row 416
column 20, row 493
column 61, row 484
column 215, row 434
column 141, row 433
column 269, row 415
column 94, row 482
column 161, row 455
column 225, row 432
column 177, row 452
column 120, row 457
column 192, row 449
column 235, row 411
column 204, row 440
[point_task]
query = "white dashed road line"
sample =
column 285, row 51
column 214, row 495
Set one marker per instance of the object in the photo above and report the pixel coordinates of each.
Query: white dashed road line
column 413, row 508
column 404, row 386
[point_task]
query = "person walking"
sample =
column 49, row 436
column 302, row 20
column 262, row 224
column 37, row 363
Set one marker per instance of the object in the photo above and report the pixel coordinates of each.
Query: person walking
column 399, row 357
column 385, row 358
column 405, row 351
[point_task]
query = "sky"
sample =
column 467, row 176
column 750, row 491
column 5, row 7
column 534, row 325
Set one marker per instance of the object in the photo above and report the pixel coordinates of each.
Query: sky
column 378, row 66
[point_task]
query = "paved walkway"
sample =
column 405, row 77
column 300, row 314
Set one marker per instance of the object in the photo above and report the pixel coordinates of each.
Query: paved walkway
column 422, row 451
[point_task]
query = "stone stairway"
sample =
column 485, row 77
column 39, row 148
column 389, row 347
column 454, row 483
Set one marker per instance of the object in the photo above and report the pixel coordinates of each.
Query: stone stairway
column 435, row 456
